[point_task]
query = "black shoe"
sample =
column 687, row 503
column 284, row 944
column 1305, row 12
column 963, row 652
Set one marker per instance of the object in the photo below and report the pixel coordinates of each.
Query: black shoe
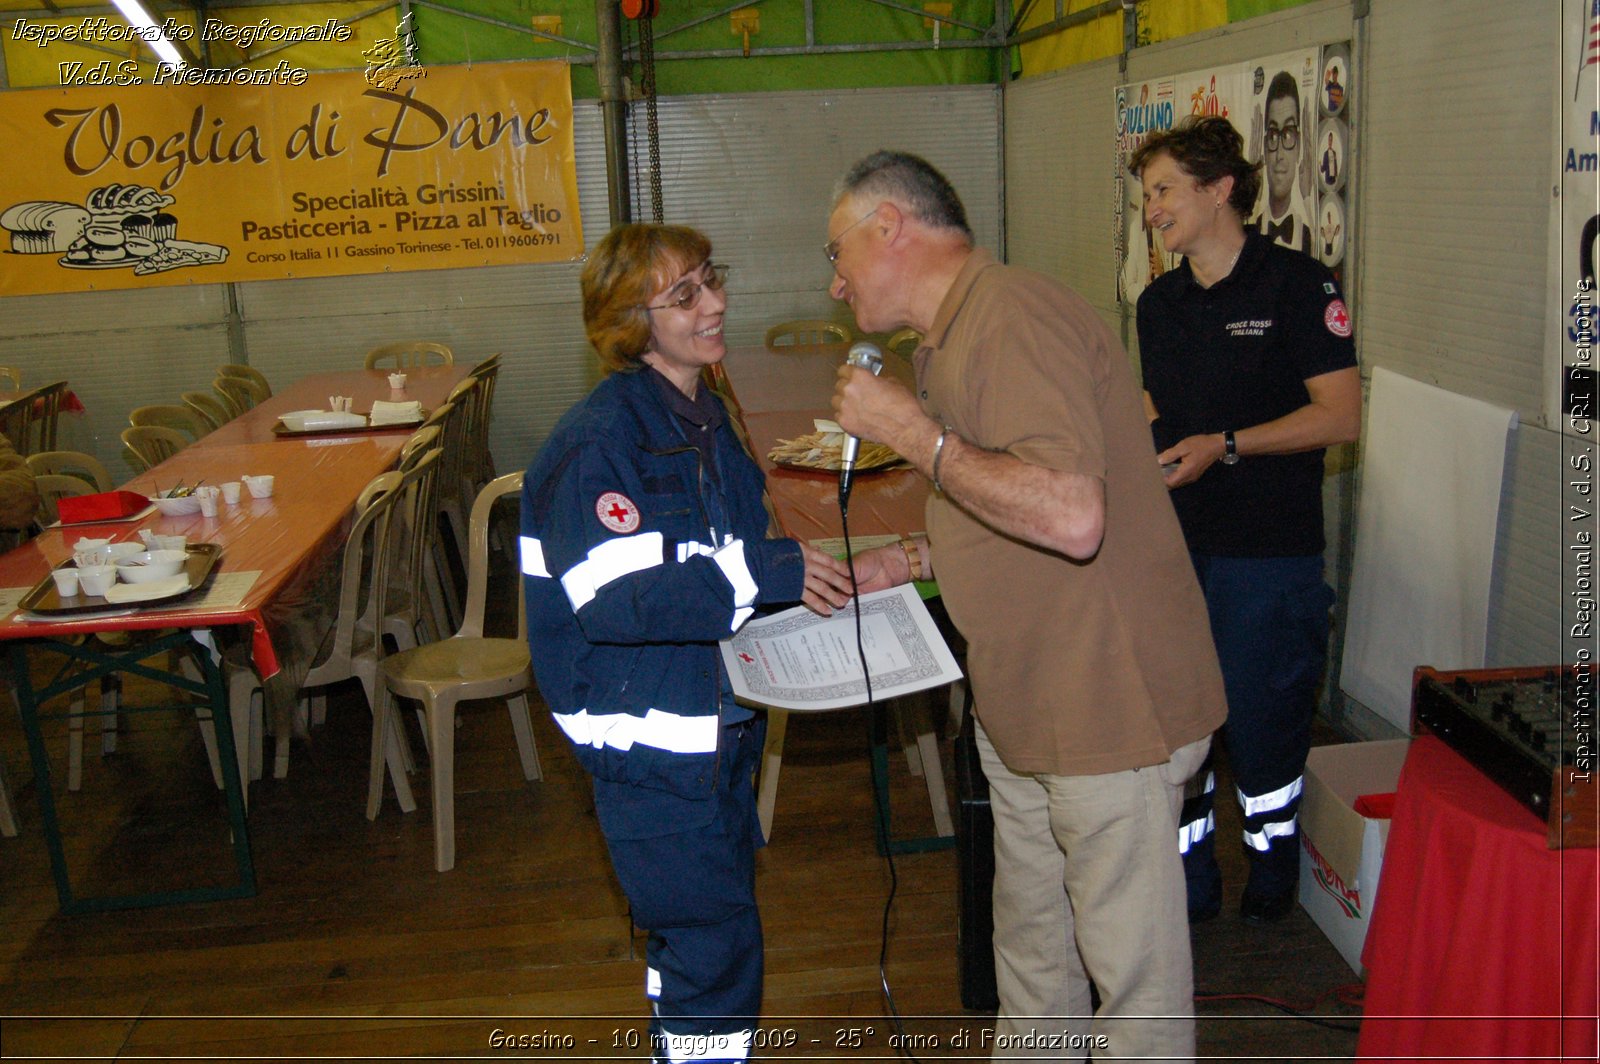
column 1265, row 908
column 1204, row 913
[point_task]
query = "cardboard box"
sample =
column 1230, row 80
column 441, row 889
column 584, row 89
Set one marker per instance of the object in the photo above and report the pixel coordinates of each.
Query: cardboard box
column 105, row 506
column 1341, row 851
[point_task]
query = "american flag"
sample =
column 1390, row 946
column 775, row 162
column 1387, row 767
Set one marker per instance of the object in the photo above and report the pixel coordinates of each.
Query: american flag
column 1591, row 48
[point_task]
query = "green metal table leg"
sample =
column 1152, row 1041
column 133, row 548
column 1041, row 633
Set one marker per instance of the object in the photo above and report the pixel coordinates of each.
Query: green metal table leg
column 97, row 662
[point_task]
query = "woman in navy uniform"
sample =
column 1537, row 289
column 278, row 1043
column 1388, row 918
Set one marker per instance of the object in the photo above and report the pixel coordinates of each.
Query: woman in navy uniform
column 1249, row 374
column 644, row 542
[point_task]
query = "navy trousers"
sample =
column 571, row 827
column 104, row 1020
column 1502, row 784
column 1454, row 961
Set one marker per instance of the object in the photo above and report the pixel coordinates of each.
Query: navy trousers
column 692, row 886
column 1269, row 618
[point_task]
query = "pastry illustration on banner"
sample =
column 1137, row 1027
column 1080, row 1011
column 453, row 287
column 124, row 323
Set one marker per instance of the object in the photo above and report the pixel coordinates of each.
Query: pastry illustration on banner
column 118, row 226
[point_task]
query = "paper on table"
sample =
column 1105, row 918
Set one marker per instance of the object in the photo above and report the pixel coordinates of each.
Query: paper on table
column 797, row 660
column 385, row 413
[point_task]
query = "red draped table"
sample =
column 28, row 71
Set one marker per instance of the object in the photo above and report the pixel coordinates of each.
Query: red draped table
column 1483, row 942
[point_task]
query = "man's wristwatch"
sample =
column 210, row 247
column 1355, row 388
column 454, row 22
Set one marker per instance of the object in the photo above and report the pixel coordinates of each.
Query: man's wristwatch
column 1230, row 449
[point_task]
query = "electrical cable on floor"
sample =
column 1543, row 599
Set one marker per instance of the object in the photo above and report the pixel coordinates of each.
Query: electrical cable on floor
column 879, row 795
column 1350, row 995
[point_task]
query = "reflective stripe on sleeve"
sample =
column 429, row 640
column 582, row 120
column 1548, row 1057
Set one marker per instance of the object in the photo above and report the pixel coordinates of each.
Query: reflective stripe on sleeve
column 652, row 984
column 608, row 561
column 736, row 567
column 533, row 557
column 673, row 732
column 1272, row 801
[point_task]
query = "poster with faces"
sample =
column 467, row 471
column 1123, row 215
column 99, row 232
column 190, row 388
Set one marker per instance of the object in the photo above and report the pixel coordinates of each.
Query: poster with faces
column 1283, row 126
column 1149, row 107
column 1291, row 110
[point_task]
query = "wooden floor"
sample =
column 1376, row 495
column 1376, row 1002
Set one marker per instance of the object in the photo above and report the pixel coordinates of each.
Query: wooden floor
column 356, row 947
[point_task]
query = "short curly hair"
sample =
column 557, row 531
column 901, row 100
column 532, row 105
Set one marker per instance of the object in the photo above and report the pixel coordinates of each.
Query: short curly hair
column 1207, row 149
column 630, row 265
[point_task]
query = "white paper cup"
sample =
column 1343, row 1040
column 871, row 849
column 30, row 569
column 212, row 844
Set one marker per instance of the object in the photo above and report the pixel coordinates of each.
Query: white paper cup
column 66, row 582
column 230, row 493
column 96, row 579
column 260, row 487
column 397, row 381
column 208, row 501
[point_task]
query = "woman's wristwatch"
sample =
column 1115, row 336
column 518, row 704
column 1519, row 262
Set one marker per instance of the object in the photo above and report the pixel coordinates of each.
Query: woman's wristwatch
column 1230, row 449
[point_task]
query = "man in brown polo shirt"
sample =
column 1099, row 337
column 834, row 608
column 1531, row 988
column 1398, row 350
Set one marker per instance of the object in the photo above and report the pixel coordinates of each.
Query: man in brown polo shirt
column 1060, row 560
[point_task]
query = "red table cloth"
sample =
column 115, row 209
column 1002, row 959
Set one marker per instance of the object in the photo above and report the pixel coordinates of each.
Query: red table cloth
column 1483, row 941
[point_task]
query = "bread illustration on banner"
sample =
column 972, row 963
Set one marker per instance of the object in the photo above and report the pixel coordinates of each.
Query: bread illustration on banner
column 118, row 226
column 43, row 227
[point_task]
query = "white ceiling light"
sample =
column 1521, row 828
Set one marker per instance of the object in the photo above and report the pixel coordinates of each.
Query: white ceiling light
column 135, row 13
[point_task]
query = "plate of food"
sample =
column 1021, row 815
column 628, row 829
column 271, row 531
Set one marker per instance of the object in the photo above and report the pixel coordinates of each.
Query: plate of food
column 820, row 451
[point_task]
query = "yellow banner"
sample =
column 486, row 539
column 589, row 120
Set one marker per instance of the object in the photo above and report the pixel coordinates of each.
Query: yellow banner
column 177, row 181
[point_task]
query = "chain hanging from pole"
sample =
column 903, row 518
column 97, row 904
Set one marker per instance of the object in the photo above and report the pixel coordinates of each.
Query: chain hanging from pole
column 647, row 83
column 643, row 14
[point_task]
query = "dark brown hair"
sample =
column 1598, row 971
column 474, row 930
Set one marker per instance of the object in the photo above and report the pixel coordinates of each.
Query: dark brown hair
column 1208, row 149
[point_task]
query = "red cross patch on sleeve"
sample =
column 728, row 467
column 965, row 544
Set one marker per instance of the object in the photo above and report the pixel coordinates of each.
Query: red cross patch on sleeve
column 617, row 512
column 1337, row 318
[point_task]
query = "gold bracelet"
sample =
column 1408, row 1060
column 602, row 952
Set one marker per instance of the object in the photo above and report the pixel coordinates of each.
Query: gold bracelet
column 905, row 551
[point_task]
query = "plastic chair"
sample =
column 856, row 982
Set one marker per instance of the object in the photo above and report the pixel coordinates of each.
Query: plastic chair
column 805, row 334
column 408, row 354
column 904, row 343
column 249, row 373
column 355, row 647
column 239, row 394
column 449, row 552
column 416, row 611
column 468, row 665
column 169, row 415
column 150, row 445
column 208, row 408
column 85, row 467
column 29, row 421
column 458, row 490
column 479, row 462
column 64, row 474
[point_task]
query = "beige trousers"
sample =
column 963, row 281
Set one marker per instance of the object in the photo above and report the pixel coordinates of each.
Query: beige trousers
column 1089, row 885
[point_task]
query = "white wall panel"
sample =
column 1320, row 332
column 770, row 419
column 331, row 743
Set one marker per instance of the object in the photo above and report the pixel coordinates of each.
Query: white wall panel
column 1060, row 167
column 1455, row 186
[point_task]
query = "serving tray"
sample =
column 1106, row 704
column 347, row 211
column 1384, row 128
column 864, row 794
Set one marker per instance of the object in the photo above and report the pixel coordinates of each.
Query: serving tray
column 280, row 429
column 43, row 599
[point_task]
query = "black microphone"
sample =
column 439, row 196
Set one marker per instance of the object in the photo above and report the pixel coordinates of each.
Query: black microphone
column 868, row 357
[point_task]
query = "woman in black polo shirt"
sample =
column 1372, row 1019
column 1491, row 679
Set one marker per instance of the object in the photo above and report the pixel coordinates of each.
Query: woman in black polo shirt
column 1249, row 374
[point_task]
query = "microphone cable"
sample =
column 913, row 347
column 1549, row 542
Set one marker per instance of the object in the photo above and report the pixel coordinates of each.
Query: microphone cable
column 880, row 795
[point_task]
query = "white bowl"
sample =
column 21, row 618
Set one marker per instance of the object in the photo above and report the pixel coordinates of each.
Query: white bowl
column 150, row 565
column 183, row 504
column 123, row 550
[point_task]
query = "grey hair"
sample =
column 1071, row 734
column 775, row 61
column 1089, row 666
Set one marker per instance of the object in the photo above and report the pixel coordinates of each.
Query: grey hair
column 910, row 181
